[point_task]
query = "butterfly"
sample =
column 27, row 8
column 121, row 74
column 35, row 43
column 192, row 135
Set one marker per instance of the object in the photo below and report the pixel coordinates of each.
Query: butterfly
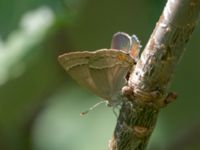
column 103, row 71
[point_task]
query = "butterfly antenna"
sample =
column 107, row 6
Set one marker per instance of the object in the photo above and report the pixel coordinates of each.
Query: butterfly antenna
column 91, row 108
column 115, row 112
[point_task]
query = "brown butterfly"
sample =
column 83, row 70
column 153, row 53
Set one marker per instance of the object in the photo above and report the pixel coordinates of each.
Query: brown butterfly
column 103, row 71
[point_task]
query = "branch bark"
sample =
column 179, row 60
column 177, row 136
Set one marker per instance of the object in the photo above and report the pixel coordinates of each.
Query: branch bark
column 149, row 80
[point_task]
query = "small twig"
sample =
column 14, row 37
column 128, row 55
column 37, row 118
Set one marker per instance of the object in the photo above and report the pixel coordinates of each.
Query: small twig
column 150, row 78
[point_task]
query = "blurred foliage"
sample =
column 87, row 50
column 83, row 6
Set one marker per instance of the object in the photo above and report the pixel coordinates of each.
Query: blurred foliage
column 40, row 104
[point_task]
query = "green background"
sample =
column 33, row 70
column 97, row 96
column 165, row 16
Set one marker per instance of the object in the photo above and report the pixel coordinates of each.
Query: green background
column 40, row 103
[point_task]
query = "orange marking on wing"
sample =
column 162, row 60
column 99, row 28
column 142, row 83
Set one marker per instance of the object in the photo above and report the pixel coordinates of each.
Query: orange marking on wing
column 121, row 57
column 134, row 50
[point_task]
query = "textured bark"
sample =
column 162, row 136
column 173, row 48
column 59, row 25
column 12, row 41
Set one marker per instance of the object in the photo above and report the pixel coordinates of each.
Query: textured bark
column 150, row 78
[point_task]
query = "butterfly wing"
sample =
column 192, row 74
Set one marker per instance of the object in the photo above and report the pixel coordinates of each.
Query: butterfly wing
column 102, row 71
column 121, row 41
column 108, row 71
column 135, row 49
column 131, row 45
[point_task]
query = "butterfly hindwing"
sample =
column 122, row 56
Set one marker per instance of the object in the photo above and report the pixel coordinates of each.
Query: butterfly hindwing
column 102, row 71
column 135, row 49
column 121, row 41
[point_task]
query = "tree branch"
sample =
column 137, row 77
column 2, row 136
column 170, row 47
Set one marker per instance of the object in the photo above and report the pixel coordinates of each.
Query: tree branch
column 149, row 80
